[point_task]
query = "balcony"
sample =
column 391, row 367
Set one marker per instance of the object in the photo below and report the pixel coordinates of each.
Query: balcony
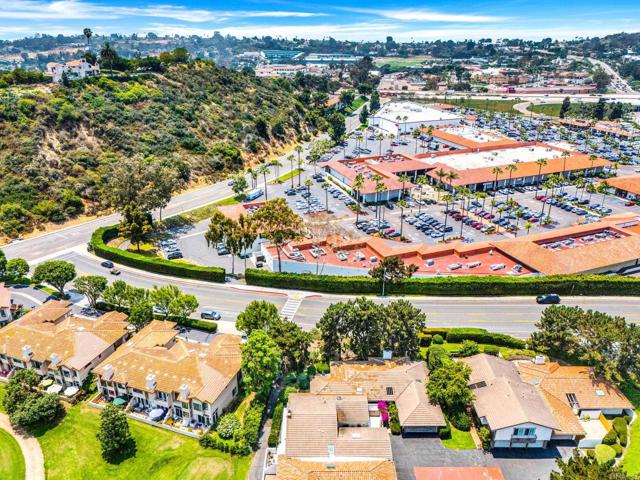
column 524, row 439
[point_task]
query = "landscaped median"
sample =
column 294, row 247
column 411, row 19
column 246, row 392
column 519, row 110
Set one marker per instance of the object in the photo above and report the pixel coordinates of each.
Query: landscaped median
column 452, row 285
column 99, row 246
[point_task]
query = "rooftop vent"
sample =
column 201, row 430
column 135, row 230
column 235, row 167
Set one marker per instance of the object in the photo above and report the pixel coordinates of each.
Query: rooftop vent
column 55, row 360
column 27, row 352
column 151, row 381
column 108, row 371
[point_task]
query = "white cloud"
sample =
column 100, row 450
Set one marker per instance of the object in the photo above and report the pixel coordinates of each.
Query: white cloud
column 78, row 9
column 425, row 15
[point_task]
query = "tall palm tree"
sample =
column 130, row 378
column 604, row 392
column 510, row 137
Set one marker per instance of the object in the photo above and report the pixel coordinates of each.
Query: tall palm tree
column 416, row 134
column 308, row 183
column 421, row 181
column 300, row 161
column 564, row 156
column 88, row 34
column 380, row 138
column 451, row 176
column 325, row 187
column 440, row 173
column 447, row 197
column 496, row 171
column 108, row 55
column 377, row 179
column 277, row 163
column 264, row 170
column 541, row 163
column 512, row 167
column 603, row 188
column 402, row 204
column 358, row 183
column 404, row 178
column 518, row 215
column 291, row 158
column 592, row 159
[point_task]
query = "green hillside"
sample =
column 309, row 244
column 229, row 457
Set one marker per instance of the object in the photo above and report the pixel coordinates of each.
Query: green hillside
column 57, row 142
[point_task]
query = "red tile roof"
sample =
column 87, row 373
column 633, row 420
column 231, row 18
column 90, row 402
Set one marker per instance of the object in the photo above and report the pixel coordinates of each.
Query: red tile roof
column 458, row 473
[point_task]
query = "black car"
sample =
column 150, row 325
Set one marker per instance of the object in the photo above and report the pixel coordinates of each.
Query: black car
column 107, row 264
column 548, row 299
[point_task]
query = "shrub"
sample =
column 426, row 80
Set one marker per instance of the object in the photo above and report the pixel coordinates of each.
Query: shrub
column 469, row 347
column 435, row 331
column 425, row 339
column 453, row 285
column 460, row 420
column 437, row 340
column 605, row 455
column 228, row 426
column 491, row 350
column 214, row 441
column 251, row 423
column 287, row 391
column 303, row 381
column 322, row 368
column 436, row 357
column 611, row 438
column 394, row 421
column 619, row 425
column 445, row 432
column 98, row 245
column 518, row 354
column 458, row 335
column 628, row 418
column 484, row 434
column 276, row 423
column 618, row 449
column 591, row 453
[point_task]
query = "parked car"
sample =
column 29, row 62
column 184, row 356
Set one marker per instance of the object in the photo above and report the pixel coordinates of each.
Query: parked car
column 548, row 299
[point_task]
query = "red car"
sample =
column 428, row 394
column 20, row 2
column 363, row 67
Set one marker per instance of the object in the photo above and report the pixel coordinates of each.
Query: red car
column 629, row 204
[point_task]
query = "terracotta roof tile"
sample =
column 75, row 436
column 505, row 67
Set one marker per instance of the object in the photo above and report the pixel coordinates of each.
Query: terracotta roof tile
column 293, row 469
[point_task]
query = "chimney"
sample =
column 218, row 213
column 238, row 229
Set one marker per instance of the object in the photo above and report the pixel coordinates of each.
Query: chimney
column 54, row 360
column 27, row 353
column 108, row 371
column 151, row 381
column 184, row 391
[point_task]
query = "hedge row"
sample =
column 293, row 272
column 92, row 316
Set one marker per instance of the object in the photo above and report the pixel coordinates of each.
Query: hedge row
column 210, row 327
column 213, row 440
column 276, row 424
column 452, row 285
column 478, row 335
column 98, row 245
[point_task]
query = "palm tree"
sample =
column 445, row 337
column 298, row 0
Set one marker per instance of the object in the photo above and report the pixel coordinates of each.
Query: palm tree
column 291, row 158
column 358, row 183
column 592, row 159
column 380, row 138
column 496, row 171
column 402, row 204
column 481, row 196
column 441, row 173
column 299, row 170
column 404, row 178
column 108, row 55
column 541, row 163
column 564, row 156
column 447, row 198
column 277, row 163
column 325, row 187
column 88, row 34
column 528, row 226
column 603, row 188
column 404, row 119
column 518, row 215
column 308, row 183
column 591, row 190
column 416, row 134
column 512, row 167
column 451, row 176
column 379, row 189
column 264, row 170
column 422, row 181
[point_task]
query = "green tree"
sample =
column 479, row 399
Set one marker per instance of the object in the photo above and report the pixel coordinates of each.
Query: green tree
column 240, row 184
column 92, row 287
column 135, row 225
column 448, row 386
column 374, row 103
column 56, row 273
column 565, row 107
column 392, row 270
column 16, row 269
column 261, row 359
column 116, row 294
column 38, row 409
column 18, row 389
column 602, row 80
column 3, row 264
column 87, row 33
column 584, row 467
column 183, row 306
column 140, row 314
column 337, row 127
column 113, row 434
column 276, row 222
column 258, row 315
column 108, row 56
column 403, row 322
column 293, row 343
column 228, row 426
column 364, row 115
column 162, row 298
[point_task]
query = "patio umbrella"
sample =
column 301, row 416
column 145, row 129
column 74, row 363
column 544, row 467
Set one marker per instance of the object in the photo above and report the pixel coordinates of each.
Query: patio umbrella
column 55, row 388
column 119, row 401
column 156, row 413
column 46, row 382
column 71, row 391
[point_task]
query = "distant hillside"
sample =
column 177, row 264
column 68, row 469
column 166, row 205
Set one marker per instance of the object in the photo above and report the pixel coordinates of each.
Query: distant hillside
column 55, row 141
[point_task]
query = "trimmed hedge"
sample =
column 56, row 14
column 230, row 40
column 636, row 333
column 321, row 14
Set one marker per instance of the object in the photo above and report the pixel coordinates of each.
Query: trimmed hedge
column 452, row 285
column 210, row 327
column 459, row 335
column 276, row 424
column 98, row 245
column 213, row 440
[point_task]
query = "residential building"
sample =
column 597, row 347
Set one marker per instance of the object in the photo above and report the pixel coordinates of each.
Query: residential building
column 59, row 345
column 401, row 117
column 512, row 409
column 156, row 369
column 401, row 381
column 577, row 398
column 6, row 305
column 74, row 69
column 626, row 187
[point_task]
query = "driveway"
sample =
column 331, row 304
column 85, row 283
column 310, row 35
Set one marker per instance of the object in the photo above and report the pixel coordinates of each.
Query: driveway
column 412, row 452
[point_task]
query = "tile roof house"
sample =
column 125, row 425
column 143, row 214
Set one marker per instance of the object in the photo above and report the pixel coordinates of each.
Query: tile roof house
column 458, row 473
column 192, row 381
column 401, row 381
column 6, row 313
column 512, row 409
column 57, row 344
column 74, row 69
column 292, row 469
column 577, row 399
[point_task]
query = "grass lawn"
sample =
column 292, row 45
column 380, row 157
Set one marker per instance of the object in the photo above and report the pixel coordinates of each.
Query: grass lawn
column 631, row 459
column 356, row 104
column 201, row 213
column 71, row 451
column 398, row 63
column 11, row 460
column 459, row 440
column 284, row 177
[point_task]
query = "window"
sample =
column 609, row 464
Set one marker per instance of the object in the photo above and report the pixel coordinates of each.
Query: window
column 234, row 391
column 197, row 406
column 66, row 373
column 524, row 432
column 36, row 365
column 389, row 390
column 161, row 396
column 573, row 401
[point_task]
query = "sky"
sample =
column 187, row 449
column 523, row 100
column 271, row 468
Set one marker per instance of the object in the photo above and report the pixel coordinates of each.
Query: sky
column 404, row 20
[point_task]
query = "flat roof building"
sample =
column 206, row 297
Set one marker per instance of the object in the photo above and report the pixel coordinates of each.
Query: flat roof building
column 402, row 117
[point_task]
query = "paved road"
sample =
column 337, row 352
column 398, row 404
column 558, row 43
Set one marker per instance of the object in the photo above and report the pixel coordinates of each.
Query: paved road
column 618, row 83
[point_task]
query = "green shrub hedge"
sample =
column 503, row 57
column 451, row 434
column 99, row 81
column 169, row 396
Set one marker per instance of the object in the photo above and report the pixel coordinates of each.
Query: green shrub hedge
column 452, row 285
column 458, row 335
column 213, row 440
column 98, row 245
column 210, row 327
column 276, row 424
